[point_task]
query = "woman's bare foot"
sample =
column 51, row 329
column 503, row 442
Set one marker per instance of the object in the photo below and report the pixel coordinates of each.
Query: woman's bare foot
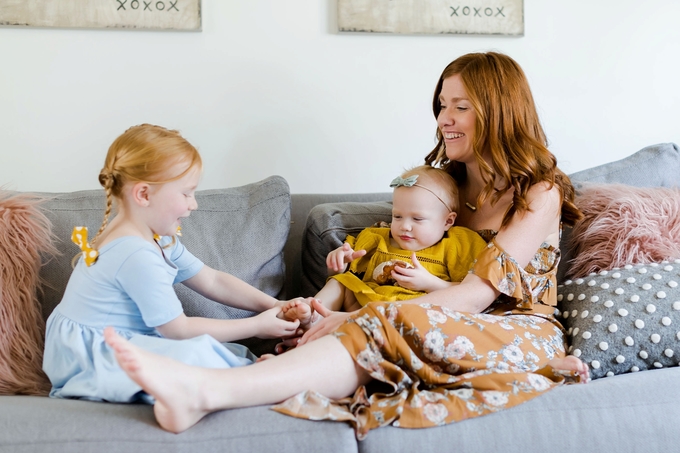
column 298, row 309
column 571, row 364
column 175, row 386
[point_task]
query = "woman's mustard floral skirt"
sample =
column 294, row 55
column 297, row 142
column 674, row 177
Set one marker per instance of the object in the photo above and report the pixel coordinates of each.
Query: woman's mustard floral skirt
column 437, row 366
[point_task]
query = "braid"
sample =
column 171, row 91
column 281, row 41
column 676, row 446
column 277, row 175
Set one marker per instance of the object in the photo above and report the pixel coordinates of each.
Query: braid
column 106, row 179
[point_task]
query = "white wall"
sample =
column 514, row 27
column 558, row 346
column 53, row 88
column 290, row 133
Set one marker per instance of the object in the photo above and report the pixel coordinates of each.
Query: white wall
column 270, row 87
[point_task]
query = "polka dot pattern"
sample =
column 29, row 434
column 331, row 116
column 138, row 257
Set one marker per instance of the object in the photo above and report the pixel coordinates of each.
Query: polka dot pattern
column 624, row 320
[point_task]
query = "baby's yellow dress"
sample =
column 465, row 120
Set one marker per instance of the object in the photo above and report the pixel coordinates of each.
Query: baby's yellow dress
column 432, row 365
column 450, row 259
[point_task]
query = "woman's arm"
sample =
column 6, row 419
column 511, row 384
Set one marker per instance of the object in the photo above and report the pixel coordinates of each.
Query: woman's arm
column 520, row 239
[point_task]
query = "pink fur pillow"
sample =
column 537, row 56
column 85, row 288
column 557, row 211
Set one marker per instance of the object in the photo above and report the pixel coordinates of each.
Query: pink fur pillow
column 25, row 238
column 624, row 225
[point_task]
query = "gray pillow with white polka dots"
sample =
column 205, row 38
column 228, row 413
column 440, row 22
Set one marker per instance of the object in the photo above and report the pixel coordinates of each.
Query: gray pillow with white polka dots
column 625, row 319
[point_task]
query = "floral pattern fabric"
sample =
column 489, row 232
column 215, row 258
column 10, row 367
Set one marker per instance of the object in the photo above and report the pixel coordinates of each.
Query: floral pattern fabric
column 530, row 289
column 433, row 366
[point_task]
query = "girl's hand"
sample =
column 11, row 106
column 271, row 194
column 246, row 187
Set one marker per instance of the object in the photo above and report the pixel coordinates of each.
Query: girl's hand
column 269, row 325
column 331, row 321
column 417, row 278
column 337, row 260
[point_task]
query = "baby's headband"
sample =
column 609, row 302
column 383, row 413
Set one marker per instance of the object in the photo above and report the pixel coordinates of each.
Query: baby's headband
column 412, row 181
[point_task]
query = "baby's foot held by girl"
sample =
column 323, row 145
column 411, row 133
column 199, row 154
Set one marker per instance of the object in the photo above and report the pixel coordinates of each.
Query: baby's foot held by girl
column 298, row 310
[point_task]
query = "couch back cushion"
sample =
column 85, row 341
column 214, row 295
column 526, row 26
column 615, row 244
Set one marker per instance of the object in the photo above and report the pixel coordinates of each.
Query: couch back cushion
column 239, row 230
column 652, row 166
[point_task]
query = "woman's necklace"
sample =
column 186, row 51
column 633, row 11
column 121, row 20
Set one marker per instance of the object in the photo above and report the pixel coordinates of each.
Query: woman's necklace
column 466, row 196
column 470, row 206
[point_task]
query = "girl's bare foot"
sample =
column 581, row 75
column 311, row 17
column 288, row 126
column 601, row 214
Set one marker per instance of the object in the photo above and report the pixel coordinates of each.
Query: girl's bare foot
column 175, row 386
column 571, row 364
column 298, row 309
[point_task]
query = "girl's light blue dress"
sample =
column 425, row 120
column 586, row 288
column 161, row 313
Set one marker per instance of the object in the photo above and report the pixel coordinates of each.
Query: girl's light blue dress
column 129, row 287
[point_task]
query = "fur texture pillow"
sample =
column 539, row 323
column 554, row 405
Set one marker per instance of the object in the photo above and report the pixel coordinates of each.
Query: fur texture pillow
column 25, row 238
column 624, row 225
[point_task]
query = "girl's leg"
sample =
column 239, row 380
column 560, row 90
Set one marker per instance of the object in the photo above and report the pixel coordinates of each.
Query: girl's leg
column 184, row 394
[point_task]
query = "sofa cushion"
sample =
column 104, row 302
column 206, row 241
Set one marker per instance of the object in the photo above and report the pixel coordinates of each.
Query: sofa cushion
column 239, row 230
column 623, row 414
column 652, row 166
column 625, row 319
column 38, row 425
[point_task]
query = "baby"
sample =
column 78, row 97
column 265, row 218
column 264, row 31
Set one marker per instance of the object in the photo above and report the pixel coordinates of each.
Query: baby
column 419, row 253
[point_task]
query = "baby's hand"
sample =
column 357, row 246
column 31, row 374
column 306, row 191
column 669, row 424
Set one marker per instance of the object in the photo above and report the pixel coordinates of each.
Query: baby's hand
column 417, row 278
column 337, row 260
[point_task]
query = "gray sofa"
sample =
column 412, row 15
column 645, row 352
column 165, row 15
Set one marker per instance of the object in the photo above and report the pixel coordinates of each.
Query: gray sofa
column 277, row 242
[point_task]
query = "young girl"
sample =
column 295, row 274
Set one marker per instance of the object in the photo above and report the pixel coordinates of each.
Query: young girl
column 125, row 276
column 419, row 253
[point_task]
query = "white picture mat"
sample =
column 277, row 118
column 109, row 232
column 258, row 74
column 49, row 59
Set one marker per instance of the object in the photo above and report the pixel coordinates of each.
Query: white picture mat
column 505, row 17
column 142, row 14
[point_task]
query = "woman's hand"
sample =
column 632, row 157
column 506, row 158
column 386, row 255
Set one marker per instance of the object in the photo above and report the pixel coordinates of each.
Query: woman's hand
column 417, row 278
column 288, row 343
column 331, row 321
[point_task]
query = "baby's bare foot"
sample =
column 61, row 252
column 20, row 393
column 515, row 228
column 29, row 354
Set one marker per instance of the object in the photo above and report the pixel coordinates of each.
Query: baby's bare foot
column 298, row 309
column 571, row 364
column 174, row 385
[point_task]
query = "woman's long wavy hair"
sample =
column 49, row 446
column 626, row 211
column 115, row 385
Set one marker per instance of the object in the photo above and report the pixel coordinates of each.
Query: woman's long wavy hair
column 144, row 153
column 508, row 129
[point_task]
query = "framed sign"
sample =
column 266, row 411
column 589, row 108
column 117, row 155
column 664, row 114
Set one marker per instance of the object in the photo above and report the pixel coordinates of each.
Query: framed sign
column 480, row 17
column 135, row 14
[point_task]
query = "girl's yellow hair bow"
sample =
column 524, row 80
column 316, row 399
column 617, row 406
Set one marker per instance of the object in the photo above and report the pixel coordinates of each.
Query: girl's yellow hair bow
column 79, row 237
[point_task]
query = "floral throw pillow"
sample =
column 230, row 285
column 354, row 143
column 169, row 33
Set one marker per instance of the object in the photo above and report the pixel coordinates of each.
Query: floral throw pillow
column 624, row 319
